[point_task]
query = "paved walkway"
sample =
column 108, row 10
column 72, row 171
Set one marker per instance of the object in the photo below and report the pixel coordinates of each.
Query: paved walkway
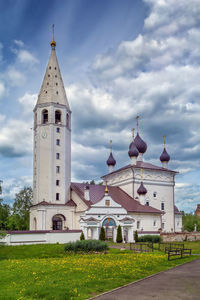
column 179, row 283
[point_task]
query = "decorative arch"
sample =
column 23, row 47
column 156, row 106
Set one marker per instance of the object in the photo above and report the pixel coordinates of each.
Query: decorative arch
column 58, row 222
column 109, row 222
column 58, row 115
column 45, row 116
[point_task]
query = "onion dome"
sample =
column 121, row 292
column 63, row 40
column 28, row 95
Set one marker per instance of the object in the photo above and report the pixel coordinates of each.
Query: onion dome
column 164, row 156
column 140, row 144
column 111, row 161
column 133, row 151
column 142, row 190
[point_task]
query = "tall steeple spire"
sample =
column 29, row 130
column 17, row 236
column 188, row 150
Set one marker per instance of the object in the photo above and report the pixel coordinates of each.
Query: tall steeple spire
column 52, row 89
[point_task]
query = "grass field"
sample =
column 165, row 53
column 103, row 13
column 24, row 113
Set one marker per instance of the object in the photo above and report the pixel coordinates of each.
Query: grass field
column 46, row 272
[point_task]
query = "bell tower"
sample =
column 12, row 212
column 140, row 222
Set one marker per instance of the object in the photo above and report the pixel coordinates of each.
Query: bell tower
column 52, row 138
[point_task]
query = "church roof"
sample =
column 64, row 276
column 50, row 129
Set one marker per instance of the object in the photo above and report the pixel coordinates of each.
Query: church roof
column 143, row 165
column 52, row 89
column 97, row 192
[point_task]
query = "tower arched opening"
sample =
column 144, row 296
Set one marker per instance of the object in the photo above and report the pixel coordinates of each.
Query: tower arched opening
column 57, row 116
column 44, row 116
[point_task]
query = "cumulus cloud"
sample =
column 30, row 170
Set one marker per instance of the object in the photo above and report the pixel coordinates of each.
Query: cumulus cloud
column 26, row 57
column 15, row 77
column 28, row 102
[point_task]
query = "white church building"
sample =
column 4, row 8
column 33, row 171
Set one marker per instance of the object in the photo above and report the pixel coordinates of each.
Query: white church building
column 139, row 196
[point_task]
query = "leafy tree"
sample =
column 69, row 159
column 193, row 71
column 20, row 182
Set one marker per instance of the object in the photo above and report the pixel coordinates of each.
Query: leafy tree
column 4, row 214
column 19, row 220
column 136, row 236
column 82, row 237
column 119, row 234
column 102, row 235
column 189, row 221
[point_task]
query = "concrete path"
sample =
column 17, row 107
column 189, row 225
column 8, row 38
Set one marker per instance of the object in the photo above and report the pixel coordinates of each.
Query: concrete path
column 179, row 283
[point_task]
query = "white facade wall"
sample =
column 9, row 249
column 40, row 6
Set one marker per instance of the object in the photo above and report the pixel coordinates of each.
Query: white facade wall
column 146, row 221
column 40, row 238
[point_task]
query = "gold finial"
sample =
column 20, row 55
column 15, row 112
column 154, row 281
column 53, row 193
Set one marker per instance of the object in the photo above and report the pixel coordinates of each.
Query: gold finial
column 141, row 172
column 106, row 188
column 137, row 118
column 164, row 136
column 133, row 129
column 110, row 146
column 53, row 43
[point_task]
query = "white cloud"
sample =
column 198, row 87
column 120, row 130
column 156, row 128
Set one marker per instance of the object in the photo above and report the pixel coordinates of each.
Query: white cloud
column 28, row 102
column 26, row 57
column 19, row 43
column 15, row 77
column 2, row 89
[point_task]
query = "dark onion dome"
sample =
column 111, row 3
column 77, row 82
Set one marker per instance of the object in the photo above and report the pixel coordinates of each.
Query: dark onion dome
column 142, row 190
column 133, row 151
column 140, row 144
column 111, row 161
column 164, row 156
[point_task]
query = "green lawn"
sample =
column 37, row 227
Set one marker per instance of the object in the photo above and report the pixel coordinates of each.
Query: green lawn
column 46, row 272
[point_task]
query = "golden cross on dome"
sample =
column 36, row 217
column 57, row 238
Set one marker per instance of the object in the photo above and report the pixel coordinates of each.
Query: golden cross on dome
column 133, row 129
column 137, row 118
column 111, row 146
column 164, row 137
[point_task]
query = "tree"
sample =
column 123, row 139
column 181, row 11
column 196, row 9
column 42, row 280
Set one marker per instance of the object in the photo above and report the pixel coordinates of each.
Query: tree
column 4, row 215
column 189, row 221
column 102, row 235
column 119, row 234
column 82, row 237
column 19, row 220
column 136, row 236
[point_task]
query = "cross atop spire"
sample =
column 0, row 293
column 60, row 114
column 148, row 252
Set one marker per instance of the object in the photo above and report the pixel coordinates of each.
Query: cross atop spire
column 164, row 136
column 53, row 43
column 133, row 129
column 137, row 118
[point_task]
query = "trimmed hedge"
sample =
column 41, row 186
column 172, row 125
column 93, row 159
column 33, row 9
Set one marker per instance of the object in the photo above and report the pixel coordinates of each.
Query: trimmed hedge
column 150, row 238
column 86, row 246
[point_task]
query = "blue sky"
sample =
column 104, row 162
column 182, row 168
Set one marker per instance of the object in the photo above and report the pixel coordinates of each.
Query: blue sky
column 118, row 59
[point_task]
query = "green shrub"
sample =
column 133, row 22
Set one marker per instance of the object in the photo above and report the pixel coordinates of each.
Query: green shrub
column 119, row 234
column 82, row 237
column 86, row 246
column 102, row 235
column 150, row 238
column 136, row 236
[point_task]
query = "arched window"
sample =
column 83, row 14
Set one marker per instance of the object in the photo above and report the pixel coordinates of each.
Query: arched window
column 44, row 116
column 35, row 224
column 58, row 222
column 57, row 116
column 67, row 120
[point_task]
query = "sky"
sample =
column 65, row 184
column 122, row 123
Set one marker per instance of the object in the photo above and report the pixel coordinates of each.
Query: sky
column 118, row 59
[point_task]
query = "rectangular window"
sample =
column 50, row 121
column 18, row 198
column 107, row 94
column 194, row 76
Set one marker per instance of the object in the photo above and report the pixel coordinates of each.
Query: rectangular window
column 57, row 155
column 163, row 225
column 57, row 169
column 57, row 196
column 154, row 223
column 107, row 203
column 58, row 142
column 138, row 224
column 162, row 206
column 58, row 182
column 58, row 129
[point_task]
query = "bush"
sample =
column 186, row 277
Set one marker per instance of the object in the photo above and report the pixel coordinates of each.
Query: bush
column 150, row 238
column 136, row 236
column 86, row 246
column 82, row 237
column 102, row 235
column 119, row 234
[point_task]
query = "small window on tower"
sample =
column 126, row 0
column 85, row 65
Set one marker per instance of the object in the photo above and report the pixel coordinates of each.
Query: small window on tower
column 55, row 68
column 57, row 196
column 57, row 182
column 58, row 129
column 48, row 75
column 162, row 206
column 57, row 155
column 57, row 116
column 49, row 68
column 44, row 116
column 57, row 169
column 107, row 202
column 56, row 83
column 56, row 76
column 154, row 194
column 58, row 142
